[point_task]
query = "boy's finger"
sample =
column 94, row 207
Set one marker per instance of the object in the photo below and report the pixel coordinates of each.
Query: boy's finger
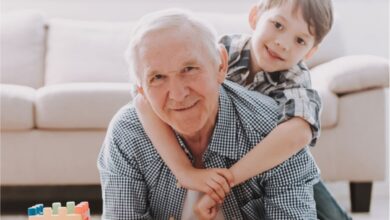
column 222, row 182
column 213, row 195
column 217, row 189
column 227, row 175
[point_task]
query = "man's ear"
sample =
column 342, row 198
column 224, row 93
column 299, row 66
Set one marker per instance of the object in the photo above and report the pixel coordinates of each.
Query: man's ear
column 223, row 65
column 140, row 90
column 311, row 52
column 253, row 16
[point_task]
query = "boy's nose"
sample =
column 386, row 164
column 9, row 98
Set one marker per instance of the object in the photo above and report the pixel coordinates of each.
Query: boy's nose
column 281, row 43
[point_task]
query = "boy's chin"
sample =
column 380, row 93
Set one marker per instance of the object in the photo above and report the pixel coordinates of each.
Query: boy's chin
column 275, row 68
column 272, row 70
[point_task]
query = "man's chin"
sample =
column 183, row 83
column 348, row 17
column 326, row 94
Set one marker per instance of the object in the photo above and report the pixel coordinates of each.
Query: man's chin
column 187, row 128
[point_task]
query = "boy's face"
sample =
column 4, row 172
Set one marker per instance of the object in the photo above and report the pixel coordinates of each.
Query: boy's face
column 280, row 40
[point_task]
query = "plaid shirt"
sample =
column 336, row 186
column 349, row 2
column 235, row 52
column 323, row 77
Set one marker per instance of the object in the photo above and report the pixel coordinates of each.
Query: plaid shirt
column 136, row 183
column 291, row 88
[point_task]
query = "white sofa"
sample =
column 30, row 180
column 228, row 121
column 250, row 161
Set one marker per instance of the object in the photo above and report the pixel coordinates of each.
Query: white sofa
column 62, row 81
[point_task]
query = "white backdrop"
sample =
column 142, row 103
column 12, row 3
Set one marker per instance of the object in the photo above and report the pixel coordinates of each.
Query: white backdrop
column 366, row 21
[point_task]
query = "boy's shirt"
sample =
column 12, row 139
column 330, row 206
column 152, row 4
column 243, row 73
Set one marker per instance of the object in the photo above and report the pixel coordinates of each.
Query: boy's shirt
column 291, row 88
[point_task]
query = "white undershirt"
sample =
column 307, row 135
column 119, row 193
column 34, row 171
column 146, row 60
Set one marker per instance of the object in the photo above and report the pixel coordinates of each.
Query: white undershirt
column 188, row 210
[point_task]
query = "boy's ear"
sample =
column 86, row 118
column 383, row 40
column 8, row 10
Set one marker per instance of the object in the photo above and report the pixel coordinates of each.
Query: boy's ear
column 311, row 52
column 223, row 65
column 253, row 16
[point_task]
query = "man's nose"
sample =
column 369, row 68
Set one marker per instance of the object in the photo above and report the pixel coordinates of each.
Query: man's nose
column 178, row 90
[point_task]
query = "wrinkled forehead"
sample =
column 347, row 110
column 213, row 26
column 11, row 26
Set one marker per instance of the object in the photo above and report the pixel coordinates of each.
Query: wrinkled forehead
column 162, row 41
column 158, row 35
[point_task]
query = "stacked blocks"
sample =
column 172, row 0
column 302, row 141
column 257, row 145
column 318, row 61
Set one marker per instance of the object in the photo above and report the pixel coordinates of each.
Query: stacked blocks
column 70, row 212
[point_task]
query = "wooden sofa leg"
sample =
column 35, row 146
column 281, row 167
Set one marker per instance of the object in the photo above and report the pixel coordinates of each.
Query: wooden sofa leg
column 360, row 196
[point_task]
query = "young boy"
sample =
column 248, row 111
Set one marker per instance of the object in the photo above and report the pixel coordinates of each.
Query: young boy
column 270, row 61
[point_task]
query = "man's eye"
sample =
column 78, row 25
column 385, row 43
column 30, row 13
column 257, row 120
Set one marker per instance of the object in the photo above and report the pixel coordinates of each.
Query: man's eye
column 156, row 77
column 301, row 41
column 278, row 25
column 188, row 69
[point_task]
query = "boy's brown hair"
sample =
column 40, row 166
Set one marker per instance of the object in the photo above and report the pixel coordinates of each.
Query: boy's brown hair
column 318, row 14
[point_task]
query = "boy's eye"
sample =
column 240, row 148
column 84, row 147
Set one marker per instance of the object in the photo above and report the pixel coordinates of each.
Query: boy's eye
column 301, row 41
column 278, row 25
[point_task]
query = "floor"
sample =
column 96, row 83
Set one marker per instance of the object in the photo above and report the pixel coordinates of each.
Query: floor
column 379, row 203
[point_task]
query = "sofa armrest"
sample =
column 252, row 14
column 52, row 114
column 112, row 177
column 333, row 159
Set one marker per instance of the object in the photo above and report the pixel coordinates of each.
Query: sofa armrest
column 351, row 74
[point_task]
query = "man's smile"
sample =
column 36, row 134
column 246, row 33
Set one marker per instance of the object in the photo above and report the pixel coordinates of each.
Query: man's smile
column 184, row 107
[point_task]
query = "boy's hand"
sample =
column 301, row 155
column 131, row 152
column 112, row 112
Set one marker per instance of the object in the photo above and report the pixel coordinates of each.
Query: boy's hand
column 215, row 182
column 206, row 208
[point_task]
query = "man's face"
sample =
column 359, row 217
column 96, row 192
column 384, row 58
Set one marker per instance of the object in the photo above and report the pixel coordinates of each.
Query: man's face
column 180, row 79
column 281, row 39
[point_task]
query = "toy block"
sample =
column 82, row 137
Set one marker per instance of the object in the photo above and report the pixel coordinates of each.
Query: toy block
column 57, row 212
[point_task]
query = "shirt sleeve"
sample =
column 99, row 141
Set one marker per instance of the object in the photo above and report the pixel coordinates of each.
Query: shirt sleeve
column 296, row 98
column 124, row 190
column 289, row 188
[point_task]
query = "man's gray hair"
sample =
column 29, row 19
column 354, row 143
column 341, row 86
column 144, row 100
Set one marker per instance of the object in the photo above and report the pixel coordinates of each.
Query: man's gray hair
column 167, row 19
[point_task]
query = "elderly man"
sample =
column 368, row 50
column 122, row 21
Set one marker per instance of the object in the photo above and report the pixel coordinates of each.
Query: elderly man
column 179, row 69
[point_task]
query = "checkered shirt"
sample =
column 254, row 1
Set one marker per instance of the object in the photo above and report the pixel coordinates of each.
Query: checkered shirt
column 136, row 184
column 291, row 89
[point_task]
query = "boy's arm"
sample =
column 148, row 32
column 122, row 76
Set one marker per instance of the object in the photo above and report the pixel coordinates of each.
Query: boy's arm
column 297, row 98
column 161, row 136
column 215, row 182
column 299, row 125
column 280, row 144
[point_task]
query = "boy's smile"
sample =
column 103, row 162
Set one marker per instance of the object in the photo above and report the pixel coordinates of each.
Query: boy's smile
column 273, row 54
column 281, row 38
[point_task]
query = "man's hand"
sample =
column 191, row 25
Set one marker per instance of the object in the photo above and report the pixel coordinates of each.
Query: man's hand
column 206, row 208
column 215, row 182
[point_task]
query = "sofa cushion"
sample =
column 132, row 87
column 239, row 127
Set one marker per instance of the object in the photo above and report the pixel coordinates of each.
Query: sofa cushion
column 354, row 73
column 17, row 107
column 81, row 51
column 22, row 48
column 80, row 105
